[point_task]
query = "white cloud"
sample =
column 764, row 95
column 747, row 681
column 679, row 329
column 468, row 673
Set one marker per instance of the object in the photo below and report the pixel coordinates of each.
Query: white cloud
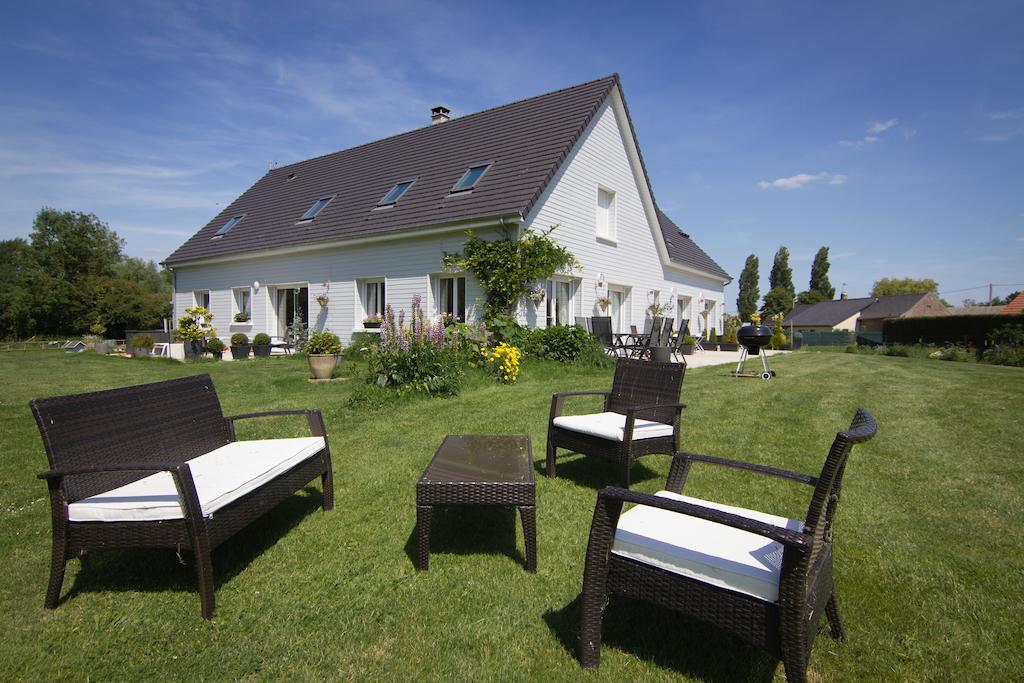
column 874, row 132
column 881, row 126
column 800, row 179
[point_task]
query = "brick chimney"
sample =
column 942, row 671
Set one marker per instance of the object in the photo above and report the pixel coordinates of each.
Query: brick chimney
column 440, row 114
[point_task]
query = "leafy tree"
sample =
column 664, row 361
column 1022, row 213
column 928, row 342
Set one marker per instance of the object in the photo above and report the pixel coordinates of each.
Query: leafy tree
column 505, row 268
column 894, row 286
column 746, row 302
column 145, row 273
column 782, row 274
column 779, row 298
column 996, row 301
column 819, row 275
column 18, row 272
column 812, row 297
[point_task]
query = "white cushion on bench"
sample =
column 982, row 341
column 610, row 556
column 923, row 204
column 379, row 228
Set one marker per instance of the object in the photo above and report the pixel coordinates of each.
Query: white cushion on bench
column 611, row 426
column 713, row 553
column 221, row 476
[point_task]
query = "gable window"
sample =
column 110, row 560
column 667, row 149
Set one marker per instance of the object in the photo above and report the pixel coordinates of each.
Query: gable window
column 605, row 213
column 560, row 302
column 243, row 304
column 316, row 208
column 451, row 296
column 470, row 178
column 227, row 226
column 371, row 292
column 395, row 194
column 201, row 298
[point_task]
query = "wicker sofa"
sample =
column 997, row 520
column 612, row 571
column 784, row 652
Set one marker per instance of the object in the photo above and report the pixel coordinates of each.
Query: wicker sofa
column 158, row 466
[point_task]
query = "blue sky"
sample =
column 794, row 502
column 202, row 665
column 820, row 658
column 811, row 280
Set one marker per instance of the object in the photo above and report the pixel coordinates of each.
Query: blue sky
column 891, row 132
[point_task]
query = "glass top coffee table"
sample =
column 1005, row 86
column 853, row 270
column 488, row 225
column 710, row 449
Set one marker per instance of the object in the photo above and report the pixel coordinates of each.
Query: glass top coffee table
column 478, row 470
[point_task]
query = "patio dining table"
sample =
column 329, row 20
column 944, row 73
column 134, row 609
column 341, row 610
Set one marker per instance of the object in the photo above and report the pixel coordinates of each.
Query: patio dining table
column 630, row 342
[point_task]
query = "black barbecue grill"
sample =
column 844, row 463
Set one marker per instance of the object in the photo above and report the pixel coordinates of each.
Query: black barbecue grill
column 754, row 338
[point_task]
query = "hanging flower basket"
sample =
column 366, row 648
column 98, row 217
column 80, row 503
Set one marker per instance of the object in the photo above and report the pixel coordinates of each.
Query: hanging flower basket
column 322, row 300
column 536, row 295
column 603, row 303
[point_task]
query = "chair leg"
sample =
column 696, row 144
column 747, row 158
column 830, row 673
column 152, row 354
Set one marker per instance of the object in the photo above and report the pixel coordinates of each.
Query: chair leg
column 327, row 481
column 58, row 561
column 796, row 669
column 528, row 514
column 835, row 620
column 204, row 573
column 424, row 516
column 551, row 452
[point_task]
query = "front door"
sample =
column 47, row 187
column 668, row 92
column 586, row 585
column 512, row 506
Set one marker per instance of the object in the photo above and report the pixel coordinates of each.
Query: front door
column 292, row 305
column 618, row 297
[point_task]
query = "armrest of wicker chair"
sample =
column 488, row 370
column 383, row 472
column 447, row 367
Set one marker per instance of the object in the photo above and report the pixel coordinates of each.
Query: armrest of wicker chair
column 611, row 499
column 119, row 467
column 558, row 400
column 631, row 416
column 313, row 417
column 798, row 477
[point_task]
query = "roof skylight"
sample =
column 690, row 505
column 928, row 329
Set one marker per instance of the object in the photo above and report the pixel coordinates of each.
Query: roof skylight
column 230, row 224
column 395, row 194
column 316, row 208
column 470, row 178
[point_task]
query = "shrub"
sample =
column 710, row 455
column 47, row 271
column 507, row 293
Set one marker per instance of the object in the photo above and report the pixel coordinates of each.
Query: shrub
column 261, row 339
column 239, row 339
column 563, row 343
column 713, row 336
column 505, row 328
column 142, row 341
column 1005, row 355
column 955, row 354
column 778, row 340
column 215, row 346
column 895, row 350
column 503, row 360
column 323, row 343
column 416, row 357
column 195, row 325
column 98, row 329
column 852, row 348
column 362, row 344
column 946, row 329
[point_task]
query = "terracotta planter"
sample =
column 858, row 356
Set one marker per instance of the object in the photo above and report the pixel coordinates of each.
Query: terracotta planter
column 321, row 365
column 240, row 352
column 262, row 351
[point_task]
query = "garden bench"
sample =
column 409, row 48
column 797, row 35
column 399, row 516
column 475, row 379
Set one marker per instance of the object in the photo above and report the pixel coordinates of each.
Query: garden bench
column 158, row 466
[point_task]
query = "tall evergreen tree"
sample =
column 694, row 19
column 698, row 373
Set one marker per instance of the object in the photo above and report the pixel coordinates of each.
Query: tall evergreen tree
column 746, row 302
column 819, row 275
column 779, row 298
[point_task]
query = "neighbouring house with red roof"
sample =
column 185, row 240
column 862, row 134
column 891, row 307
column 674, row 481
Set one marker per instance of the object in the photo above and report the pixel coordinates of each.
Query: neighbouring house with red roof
column 1015, row 307
column 332, row 240
column 865, row 314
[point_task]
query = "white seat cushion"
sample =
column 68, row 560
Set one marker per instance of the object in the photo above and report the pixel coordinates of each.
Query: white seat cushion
column 611, row 425
column 221, row 476
column 713, row 553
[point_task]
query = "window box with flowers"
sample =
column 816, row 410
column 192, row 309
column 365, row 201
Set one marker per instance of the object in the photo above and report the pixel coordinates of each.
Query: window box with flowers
column 372, row 322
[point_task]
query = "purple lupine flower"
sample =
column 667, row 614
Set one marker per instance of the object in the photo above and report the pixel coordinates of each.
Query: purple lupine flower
column 403, row 343
column 401, row 320
column 417, row 320
column 437, row 335
column 387, row 329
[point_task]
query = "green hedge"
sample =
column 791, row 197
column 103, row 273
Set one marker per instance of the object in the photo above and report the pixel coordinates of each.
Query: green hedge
column 946, row 329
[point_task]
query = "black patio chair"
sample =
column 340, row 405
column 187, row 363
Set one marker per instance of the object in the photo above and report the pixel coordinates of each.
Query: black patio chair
column 641, row 415
column 764, row 578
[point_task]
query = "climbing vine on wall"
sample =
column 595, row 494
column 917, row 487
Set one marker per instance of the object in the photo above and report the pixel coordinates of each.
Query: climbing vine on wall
column 507, row 267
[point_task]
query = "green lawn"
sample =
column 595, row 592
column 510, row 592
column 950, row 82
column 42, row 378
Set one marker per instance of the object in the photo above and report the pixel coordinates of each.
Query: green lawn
column 930, row 567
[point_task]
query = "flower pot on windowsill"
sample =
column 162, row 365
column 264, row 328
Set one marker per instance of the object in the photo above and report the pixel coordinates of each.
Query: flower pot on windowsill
column 371, row 325
column 321, row 365
column 240, row 352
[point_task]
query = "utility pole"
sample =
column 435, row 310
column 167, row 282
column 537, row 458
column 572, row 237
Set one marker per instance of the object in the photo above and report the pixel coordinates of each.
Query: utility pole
column 990, row 294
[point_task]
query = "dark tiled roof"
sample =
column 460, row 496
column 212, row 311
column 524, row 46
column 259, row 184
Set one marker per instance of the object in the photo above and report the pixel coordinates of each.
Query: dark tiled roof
column 827, row 312
column 526, row 141
column 682, row 249
column 892, row 306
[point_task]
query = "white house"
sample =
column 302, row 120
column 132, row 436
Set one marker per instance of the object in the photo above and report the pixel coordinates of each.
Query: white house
column 333, row 239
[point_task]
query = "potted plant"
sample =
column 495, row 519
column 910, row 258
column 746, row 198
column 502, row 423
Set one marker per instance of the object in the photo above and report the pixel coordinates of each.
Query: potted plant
column 239, row 346
column 216, row 348
column 603, row 303
column 689, row 343
column 261, row 345
column 536, row 294
column 242, row 317
column 373, row 321
column 322, row 299
column 713, row 338
column 322, row 352
column 142, row 344
column 729, row 342
column 194, row 328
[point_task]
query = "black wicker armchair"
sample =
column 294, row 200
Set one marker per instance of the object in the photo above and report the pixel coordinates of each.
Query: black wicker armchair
column 764, row 578
column 641, row 415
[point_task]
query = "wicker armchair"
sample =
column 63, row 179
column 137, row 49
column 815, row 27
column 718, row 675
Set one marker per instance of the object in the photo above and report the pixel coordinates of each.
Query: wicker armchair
column 764, row 578
column 641, row 415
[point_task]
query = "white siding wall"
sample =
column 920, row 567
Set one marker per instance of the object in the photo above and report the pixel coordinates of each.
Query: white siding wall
column 406, row 265
column 601, row 158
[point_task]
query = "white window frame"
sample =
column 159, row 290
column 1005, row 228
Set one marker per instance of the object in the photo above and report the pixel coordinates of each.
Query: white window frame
column 236, row 307
column 380, row 295
column 196, row 303
column 439, row 304
column 610, row 233
column 554, row 296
